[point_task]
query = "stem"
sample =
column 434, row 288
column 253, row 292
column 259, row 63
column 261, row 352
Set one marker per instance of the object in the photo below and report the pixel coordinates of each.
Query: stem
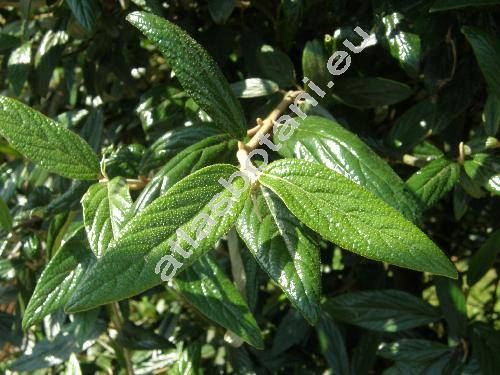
column 119, row 321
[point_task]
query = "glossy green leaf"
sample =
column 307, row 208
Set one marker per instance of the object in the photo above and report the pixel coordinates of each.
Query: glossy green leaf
column 487, row 51
column 221, row 10
column 276, row 66
column 212, row 150
column 5, row 217
column 352, row 217
column 19, row 66
column 284, row 248
column 146, row 253
column 105, row 212
column 370, row 92
column 85, row 12
column 452, row 304
column 47, row 58
column 403, row 46
column 254, row 87
column 381, row 310
column 196, row 71
column 441, row 5
column 314, row 63
column 46, row 143
column 332, row 345
column 326, row 142
column 58, row 280
column 484, row 169
column 209, row 289
column 413, row 350
column 434, row 180
column 173, row 142
column 484, row 258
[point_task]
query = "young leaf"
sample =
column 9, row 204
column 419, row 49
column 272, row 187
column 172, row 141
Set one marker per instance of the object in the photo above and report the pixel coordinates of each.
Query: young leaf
column 18, row 67
column 434, row 180
column 168, row 236
column 196, row 71
column 209, row 289
column 57, row 282
column 5, row 217
column 254, row 88
column 85, row 12
column 105, row 210
column 328, row 143
column 285, row 249
column 370, row 92
column 487, row 51
column 352, row 217
column 46, row 143
column 381, row 310
column 484, row 258
column 332, row 345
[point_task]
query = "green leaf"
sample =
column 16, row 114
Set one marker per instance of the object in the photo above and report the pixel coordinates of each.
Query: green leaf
column 92, row 129
column 381, row 310
column 370, row 92
column 487, row 51
column 209, row 289
column 434, row 180
column 69, row 199
column 364, row 354
column 146, row 254
column 276, row 66
column 285, row 249
column 141, row 338
column 492, row 115
column 221, row 10
column 19, row 66
column 173, row 142
column 314, row 63
column 328, row 143
column 292, row 330
column 216, row 149
column 352, row 217
column 85, row 12
column 44, row 142
column 441, row 5
column 413, row 350
column 196, row 71
column 57, row 282
column 403, row 46
column 254, row 88
column 332, row 345
column 484, row 169
column 452, row 304
column 486, row 343
column 105, row 211
column 5, row 217
column 484, row 258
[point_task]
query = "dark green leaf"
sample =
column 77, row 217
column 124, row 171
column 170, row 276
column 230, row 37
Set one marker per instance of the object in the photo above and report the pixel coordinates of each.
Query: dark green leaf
column 314, row 63
column 364, row 355
column 293, row 330
column 45, row 142
column 92, row 129
column 382, row 310
column 403, row 46
column 484, row 169
column 209, row 289
column 105, row 210
column 413, row 350
column 352, row 217
column 441, row 5
column 460, row 202
column 284, row 248
column 492, row 115
column 487, row 51
column 5, row 217
column 57, row 282
column 85, row 12
column 19, row 66
column 69, row 199
column 254, row 87
column 486, row 343
column 452, row 304
column 434, row 180
column 332, row 345
column 484, row 258
column 145, row 255
column 140, row 338
column 327, row 142
column 47, row 58
column 197, row 72
column 370, row 92
column 221, row 10
column 276, row 66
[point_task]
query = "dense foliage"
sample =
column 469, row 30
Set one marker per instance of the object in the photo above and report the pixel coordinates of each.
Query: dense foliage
column 200, row 187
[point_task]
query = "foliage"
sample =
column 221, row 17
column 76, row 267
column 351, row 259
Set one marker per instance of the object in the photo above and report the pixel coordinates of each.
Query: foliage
column 170, row 203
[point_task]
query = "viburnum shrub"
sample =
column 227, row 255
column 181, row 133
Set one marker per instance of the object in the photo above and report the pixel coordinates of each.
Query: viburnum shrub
column 332, row 209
